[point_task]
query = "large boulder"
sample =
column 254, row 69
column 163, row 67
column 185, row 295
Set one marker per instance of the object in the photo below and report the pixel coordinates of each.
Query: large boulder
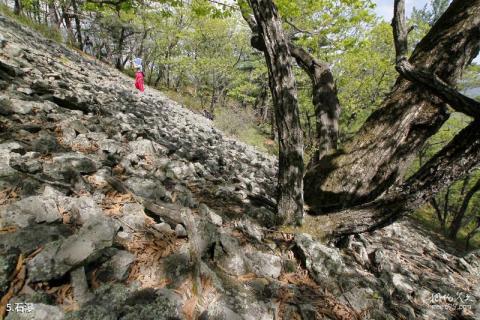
column 321, row 261
column 25, row 212
column 112, row 302
column 68, row 162
column 59, row 257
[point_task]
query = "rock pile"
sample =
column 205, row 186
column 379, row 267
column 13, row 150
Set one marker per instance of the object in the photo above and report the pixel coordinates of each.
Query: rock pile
column 115, row 205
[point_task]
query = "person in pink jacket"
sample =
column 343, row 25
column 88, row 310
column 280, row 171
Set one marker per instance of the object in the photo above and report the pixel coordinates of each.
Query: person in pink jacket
column 139, row 80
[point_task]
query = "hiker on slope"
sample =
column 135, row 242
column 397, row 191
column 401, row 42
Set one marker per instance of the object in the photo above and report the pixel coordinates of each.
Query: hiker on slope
column 139, row 75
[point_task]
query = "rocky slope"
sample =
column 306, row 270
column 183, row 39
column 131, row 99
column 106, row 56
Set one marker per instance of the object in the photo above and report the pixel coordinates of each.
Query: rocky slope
column 119, row 205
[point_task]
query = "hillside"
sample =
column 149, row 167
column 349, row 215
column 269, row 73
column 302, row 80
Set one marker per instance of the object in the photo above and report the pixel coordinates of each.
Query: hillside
column 119, row 205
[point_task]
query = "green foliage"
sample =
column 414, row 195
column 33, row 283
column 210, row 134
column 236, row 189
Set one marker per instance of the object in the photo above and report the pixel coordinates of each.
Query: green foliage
column 47, row 31
column 431, row 14
column 241, row 124
column 427, row 217
column 365, row 74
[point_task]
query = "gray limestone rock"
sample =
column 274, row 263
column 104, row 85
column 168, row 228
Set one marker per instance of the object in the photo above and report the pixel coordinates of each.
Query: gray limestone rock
column 323, row 262
column 59, row 257
column 117, row 268
column 264, row 264
column 146, row 188
column 180, row 231
column 25, row 212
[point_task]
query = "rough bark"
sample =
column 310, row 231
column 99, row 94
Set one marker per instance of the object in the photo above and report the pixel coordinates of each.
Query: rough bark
column 377, row 157
column 284, row 93
column 438, row 87
column 400, row 32
column 453, row 162
column 324, row 92
column 324, row 99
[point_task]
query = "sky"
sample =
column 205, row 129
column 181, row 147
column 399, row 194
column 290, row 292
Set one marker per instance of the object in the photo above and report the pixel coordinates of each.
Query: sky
column 385, row 7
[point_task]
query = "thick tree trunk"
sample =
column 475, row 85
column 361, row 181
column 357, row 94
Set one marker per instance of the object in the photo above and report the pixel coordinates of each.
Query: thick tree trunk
column 324, row 92
column 324, row 99
column 284, row 93
column 386, row 144
column 459, row 157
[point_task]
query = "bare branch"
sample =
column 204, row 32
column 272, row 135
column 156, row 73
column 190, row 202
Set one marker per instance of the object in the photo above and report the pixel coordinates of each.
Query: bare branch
column 440, row 88
column 450, row 164
column 400, row 31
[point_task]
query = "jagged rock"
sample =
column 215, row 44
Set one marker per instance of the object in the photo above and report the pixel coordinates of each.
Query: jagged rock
column 229, row 255
column 249, row 228
column 122, row 238
column 83, row 208
column 27, row 163
column 59, row 257
column 21, row 106
column 45, row 143
column 180, row 231
column 30, row 238
column 401, row 284
column 323, row 262
column 210, row 215
column 163, row 227
column 473, row 259
column 39, row 311
column 146, row 188
column 112, row 302
column 6, row 107
column 264, row 264
column 144, row 147
column 110, row 146
column 81, row 292
column 117, row 268
column 74, row 161
column 133, row 215
column 8, row 262
column 219, row 311
column 26, row 212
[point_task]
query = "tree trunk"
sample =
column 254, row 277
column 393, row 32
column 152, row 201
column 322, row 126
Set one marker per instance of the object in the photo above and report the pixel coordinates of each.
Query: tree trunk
column 460, row 214
column 324, row 92
column 324, row 99
column 17, row 7
column 450, row 164
column 284, row 93
column 439, row 213
column 68, row 23
column 52, row 13
column 121, row 39
column 78, row 24
column 385, row 146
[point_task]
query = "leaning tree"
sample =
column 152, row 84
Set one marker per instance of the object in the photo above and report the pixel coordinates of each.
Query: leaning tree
column 362, row 186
